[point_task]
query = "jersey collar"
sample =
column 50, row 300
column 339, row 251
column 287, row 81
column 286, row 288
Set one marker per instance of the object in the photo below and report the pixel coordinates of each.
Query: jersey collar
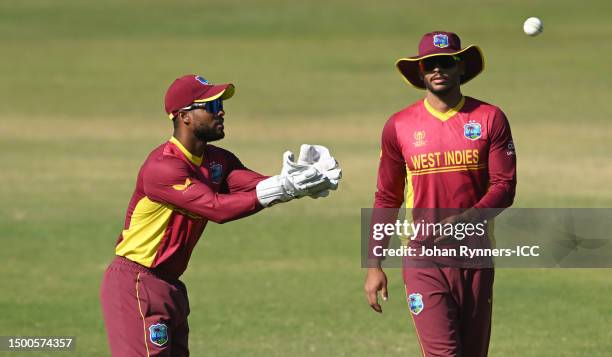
column 444, row 116
column 196, row 160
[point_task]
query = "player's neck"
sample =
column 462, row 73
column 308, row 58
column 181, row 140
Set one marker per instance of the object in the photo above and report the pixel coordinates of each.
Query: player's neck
column 194, row 145
column 443, row 102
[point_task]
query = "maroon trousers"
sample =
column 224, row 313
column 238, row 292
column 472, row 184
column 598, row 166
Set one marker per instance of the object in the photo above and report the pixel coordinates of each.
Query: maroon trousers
column 144, row 314
column 451, row 309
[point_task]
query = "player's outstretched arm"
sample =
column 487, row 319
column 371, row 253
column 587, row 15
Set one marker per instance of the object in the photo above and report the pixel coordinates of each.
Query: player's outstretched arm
column 242, row 179
column 169, row 181
column 295, row 181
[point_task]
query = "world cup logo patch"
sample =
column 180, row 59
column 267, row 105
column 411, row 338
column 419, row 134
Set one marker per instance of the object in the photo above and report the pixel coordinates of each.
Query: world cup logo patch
column 472, row 130
column 419, row 137
column 440, row 41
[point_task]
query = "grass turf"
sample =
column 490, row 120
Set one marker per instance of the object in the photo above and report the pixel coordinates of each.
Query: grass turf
column 82, row 88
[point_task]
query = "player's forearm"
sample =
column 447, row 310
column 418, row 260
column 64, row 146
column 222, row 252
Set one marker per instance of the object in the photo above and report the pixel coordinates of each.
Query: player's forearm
column 374, row 264
column 378, row 241
column 244, row 180
column 499, row 195
column 226, row 208
column 385, row 200
column 390, row 188
column 199, row 200
column 376, row 252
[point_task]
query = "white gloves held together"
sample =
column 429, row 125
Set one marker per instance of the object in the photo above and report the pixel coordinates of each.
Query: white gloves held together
column 315, row 174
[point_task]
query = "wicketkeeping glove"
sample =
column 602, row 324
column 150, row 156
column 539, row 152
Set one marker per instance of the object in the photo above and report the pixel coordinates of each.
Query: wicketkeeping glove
column 295, row 181
column 318, row 156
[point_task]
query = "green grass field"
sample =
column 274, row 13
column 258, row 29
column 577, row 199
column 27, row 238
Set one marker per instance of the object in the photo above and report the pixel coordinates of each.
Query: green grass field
column 82, row 105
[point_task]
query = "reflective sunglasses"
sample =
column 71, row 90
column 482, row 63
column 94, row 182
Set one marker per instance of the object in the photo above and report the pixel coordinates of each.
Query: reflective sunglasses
column 442, row 62
column 213, row 107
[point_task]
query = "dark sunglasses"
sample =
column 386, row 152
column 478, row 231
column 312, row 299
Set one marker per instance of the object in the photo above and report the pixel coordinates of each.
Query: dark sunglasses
column 213, row 107
column 443, row 62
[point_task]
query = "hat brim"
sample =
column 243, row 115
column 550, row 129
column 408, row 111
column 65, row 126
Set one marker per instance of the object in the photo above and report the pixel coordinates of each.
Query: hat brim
column 471, row 55
column 223, row 91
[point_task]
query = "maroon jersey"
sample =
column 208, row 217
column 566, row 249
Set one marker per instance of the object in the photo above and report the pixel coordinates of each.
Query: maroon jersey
column 459, row 159
column 176, row 194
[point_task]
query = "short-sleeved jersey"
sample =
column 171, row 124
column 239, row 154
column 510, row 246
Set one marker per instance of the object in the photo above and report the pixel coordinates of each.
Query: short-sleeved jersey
column 459, row 159
column 176, row 194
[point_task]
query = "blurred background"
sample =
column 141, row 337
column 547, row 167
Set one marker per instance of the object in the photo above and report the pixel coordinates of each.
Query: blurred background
column 82, row 87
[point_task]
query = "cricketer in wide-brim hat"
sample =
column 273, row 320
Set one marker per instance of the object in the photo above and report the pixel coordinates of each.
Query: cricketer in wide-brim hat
column 192, row 88
column 441, row 43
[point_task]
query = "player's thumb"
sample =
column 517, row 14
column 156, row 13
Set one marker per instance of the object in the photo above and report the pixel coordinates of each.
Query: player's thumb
column 384, row 293
column 288, row 157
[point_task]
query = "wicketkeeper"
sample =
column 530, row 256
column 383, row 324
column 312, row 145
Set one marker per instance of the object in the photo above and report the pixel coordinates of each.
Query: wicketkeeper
column 183, row 184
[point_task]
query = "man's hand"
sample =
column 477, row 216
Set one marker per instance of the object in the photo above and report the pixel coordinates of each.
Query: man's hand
column 443, row 239
column 471, row 215
column 319, row 156
column 295, row 181
column 291, row 168
column 376, row 280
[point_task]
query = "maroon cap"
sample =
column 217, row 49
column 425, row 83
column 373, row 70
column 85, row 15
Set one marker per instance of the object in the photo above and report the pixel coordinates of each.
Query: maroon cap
column 441, row 43
column 191, row 89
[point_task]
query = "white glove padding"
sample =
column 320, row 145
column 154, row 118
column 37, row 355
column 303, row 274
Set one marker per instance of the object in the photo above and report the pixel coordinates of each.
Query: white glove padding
column 295, row 181
column 290, row 166
column 319, row 157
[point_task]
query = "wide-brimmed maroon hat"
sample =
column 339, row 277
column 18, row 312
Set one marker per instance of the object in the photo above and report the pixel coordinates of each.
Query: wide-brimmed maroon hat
column 441, row 43
column 192, row 88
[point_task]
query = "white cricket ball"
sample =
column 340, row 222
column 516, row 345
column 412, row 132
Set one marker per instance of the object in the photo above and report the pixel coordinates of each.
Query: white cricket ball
column 533, row 26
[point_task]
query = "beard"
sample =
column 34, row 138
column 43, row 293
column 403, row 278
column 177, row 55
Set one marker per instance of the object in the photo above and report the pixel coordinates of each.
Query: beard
column 209, row 134
column 446, row 89
column 441, row 90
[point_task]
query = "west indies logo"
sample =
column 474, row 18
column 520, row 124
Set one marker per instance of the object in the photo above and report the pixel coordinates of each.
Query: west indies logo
column 201, row 80
column 472, row 130
column 216, row 172
column 158, row 334
column 440, row 40
column 415, row 302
